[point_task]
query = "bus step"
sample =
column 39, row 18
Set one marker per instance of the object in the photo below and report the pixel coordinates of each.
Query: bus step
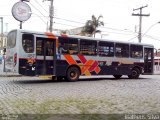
column 46, row 76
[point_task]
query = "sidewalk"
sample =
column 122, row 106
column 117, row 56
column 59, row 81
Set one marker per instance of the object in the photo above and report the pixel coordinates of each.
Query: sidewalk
column 7, row 74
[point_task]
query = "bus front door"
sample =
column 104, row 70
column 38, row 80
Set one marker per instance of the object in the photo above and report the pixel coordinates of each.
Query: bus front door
column 148, row 60
column 45, row 53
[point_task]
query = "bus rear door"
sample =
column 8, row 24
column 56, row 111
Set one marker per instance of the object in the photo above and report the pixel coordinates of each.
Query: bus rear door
column 45, row 54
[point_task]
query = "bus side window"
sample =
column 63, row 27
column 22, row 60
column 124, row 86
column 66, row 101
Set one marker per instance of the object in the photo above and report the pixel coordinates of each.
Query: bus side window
column 122, row 50
column 88, row 47
column 136, row 51
column 68, row 45
column 28, row 43
column 61, row 49
column 106, row 49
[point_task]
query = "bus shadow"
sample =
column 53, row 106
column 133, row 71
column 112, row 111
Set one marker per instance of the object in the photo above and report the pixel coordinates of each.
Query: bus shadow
column 37, row 81
column 111, row 79
column 33, row 81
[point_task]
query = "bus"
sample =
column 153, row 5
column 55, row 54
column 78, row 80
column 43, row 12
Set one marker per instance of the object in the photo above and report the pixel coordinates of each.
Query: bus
column 62, row 56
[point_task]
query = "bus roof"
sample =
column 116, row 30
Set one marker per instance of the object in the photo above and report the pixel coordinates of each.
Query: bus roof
column 81, row 37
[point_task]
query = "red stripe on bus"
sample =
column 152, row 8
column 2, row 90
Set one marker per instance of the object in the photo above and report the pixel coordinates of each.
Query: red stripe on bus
column 57, row 43
column 69, row 59
column 97, row 70
column 50, row 35
column 82, row 58
column 87, row 65
column 64, row 35
column 94, row 65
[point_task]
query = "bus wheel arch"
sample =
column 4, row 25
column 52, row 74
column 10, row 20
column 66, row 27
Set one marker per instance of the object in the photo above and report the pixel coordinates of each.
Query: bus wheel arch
column 135, row 73
column 72, row 73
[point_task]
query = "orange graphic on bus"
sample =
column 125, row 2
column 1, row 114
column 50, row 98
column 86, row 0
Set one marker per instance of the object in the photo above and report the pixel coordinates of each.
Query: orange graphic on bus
column 87, row 66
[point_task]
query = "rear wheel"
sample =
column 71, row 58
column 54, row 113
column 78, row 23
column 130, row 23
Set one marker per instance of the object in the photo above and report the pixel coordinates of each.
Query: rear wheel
column 117, row 76
column 73, row 74
column 134, row 73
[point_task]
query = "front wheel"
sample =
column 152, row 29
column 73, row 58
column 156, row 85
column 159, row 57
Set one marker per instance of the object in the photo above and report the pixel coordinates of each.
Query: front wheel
column 73, row 74
column 134, row 73
column 117, row 76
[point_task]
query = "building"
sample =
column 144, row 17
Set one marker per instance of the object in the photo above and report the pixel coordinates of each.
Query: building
column 75, row 31
column 3, row 42
column 157, row 63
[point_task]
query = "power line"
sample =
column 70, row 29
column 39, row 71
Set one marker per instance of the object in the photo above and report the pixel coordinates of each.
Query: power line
column 116, row 29
column 41, row 19
column 152, row 37
column 6, row 15
column 41, row 6
column 75, row 22
column 148, row 36
column 68, row 20
column 65, row 24
column 150, row 28
column 119, row 33
column 72, row 20
column 132, row 38
column 37, row 10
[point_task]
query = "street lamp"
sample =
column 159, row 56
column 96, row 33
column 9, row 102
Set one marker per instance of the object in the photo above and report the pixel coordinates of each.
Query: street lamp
column 150, row 28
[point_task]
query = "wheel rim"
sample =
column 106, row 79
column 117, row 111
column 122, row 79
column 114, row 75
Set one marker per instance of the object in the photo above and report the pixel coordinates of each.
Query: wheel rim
column 134, row 73
column 73, row 75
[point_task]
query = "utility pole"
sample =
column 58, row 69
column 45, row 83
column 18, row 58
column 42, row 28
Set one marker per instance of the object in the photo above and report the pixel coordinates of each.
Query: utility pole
column 20, row 26
column 140, row 21
column 51, row 14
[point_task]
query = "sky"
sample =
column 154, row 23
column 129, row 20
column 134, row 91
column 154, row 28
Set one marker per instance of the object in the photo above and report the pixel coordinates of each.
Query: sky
column 117, row 15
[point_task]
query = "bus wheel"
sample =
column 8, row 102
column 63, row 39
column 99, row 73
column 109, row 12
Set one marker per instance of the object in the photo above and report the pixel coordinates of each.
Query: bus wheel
column 73, row 74
column 117, row 76
column 134, row 74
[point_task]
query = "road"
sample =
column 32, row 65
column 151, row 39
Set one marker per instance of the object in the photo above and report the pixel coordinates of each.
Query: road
column 99, row 95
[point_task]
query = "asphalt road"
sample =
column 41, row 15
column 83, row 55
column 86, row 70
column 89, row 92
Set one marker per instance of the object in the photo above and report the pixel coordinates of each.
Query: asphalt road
column 104, row 95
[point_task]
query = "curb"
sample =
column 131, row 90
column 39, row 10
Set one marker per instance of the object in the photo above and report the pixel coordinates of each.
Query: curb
column 10, row 75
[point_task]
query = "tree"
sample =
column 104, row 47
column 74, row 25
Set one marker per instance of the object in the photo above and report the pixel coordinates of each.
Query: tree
column 91, row 26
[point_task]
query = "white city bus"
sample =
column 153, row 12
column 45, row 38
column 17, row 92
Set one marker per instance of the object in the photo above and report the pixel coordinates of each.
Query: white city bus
column 37, row 53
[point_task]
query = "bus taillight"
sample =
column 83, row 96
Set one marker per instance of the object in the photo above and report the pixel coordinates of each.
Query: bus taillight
column 15, row 59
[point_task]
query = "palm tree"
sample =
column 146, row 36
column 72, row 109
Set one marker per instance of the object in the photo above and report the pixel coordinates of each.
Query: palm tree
column 91, row 26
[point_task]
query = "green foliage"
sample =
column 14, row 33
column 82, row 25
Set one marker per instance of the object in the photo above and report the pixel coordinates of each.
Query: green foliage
column 91, row 26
